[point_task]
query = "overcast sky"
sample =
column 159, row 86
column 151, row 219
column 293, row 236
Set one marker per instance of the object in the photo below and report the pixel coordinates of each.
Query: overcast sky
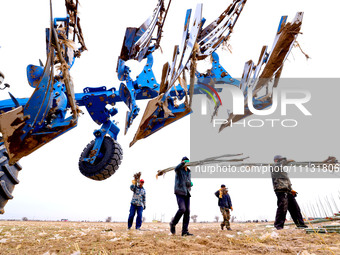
column 51, row 186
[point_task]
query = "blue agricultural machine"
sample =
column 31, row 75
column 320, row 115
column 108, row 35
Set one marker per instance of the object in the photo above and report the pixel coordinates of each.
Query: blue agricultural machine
column 27, row 124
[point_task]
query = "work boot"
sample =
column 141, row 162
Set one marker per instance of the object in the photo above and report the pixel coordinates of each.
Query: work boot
column 222, row 226
column 302, row 226
column 172, row 228
column 187, row 234
column 229, row 229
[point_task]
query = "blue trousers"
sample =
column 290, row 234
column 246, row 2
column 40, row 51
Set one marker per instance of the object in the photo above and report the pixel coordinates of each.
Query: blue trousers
column 133, row 210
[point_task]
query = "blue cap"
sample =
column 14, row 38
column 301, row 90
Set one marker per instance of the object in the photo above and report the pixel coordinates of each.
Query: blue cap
column 278, row 157
column 184, row 158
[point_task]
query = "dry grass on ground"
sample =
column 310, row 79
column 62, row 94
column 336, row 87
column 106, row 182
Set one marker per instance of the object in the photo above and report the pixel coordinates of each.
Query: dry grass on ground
column 29, row 237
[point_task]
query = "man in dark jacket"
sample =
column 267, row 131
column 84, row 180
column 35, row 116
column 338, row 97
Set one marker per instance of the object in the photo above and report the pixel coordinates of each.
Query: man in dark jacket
column 182, row 191
column 224, row 202
column 285, row 195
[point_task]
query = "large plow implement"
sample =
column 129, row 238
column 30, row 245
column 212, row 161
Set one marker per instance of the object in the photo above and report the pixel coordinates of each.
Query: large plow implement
column 26, row 124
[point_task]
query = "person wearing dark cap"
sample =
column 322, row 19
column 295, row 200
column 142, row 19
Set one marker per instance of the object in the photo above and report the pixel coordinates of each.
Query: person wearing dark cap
column 224, row 202
column 137, row 203
column 285, row 195
column 183, row 186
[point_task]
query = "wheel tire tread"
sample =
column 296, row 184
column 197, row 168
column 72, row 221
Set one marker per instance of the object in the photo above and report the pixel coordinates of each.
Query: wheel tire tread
column 8, row 178
column 109, row 168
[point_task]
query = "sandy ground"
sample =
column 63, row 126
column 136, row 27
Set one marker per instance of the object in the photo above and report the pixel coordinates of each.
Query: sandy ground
column 29, row 237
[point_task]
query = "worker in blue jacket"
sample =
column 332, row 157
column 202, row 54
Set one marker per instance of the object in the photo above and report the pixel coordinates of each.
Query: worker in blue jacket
column 224, row 202
column 182, row 191
column 137, row 203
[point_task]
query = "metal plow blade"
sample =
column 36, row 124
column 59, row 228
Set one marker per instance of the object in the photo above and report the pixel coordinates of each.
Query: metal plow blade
column 137, row 45
column 271, row 64
column 28, row 127
column 213, row 35
column 19, row 127
column 158, row 115
column 137, row 40
column 163, row 110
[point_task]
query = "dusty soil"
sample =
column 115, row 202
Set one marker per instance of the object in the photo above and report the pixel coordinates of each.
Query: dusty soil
column 29, row 237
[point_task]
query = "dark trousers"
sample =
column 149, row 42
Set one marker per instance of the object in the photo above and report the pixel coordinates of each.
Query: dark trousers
column 294, row 210
column 133, row 210
column 183, row 209
column 286, row 202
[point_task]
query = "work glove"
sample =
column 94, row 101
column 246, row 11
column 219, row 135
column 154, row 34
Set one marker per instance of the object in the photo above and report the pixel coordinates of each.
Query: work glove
column 231, row 208
column 134, row 182
column 293, row 193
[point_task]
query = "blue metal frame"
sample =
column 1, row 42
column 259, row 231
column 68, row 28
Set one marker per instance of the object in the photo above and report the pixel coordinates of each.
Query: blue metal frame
column 48, row 115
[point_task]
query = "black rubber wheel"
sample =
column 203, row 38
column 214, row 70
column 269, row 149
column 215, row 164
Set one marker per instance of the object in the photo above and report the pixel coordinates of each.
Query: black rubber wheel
column 107, row 162
column 8, row 178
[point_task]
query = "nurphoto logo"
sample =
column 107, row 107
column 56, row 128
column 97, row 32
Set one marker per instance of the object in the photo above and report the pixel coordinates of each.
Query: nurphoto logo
column 295, row 98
